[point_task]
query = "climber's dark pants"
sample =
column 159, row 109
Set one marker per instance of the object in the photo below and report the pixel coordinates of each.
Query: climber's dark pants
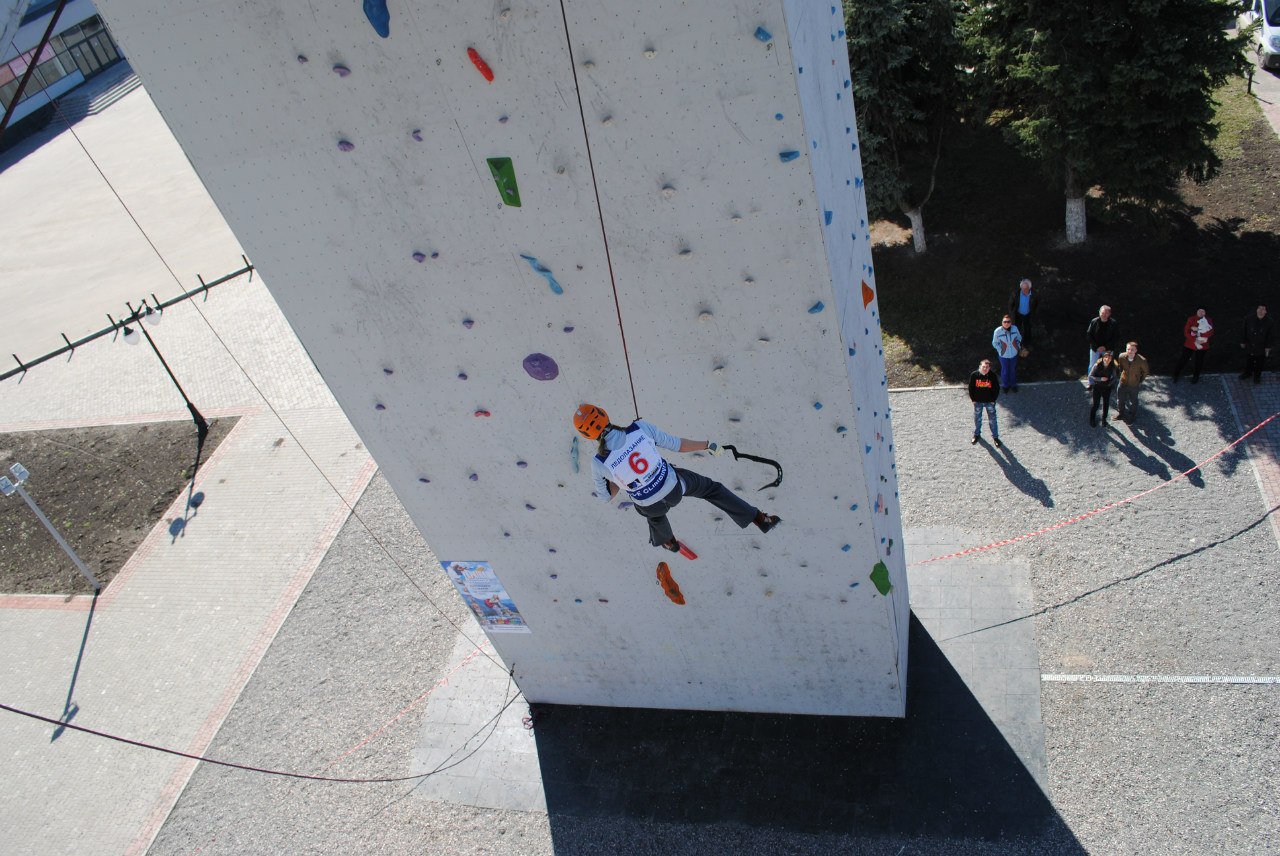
column 700, row 487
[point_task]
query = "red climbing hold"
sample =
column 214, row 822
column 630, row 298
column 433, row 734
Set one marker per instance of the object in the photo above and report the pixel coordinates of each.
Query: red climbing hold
column 480, row 64
column 868, row 294
column 669, row 585
column 483, row 413
column 686, row 552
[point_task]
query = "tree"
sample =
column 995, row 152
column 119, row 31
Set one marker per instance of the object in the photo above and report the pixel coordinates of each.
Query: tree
column 1115, row 94
column 904, row 55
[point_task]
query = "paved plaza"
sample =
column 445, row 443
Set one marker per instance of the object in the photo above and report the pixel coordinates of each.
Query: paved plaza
column 1107, row 686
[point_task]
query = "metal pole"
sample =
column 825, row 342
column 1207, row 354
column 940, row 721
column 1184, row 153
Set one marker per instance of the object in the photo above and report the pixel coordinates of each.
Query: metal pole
column 35, row 60
column 66, row 548
column 202, row 427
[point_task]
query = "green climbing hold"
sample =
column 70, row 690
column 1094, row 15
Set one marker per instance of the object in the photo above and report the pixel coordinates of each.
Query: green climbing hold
column 880, row 578
column 504, row 173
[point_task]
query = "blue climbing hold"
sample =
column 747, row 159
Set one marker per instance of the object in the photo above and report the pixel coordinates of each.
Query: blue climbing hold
column 763, row 35
column 817, row 307
column 573, row 454
column 376, row 12
column 826, row 215
column 788, row 156
column 545, row 271
column 846, row 548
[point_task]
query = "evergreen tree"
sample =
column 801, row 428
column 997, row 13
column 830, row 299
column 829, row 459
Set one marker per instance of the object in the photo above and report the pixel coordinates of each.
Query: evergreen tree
column 904, row 55
column 1109, row 93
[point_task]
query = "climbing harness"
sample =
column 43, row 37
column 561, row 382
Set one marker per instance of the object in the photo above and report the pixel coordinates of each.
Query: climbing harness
column 759, row 460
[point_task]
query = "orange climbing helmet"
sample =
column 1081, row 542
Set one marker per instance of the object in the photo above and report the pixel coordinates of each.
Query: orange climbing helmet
column 590, row 421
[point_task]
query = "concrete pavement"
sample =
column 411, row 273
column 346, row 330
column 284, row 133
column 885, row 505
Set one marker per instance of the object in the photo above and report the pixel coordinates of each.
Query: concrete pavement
column 164, row 652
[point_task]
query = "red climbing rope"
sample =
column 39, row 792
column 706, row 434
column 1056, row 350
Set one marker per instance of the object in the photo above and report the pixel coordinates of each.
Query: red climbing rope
column 595, row 186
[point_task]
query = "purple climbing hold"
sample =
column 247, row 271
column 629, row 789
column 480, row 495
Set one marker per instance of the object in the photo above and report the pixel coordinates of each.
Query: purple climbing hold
column 555, row 576
column 417, row 134
column 379, row 407
column 468, row 323
column 568, row 329
column 435, row 255
column 502, row 120
column 474, row 477
column 346, row 145
column 419, row 257
column 341, row 70
column 462, row 375
column 530, row 507
column 302, row 60
column 424, row 479
column 378, row 15
column 522, row 464
column 388, row 371
column 788, row 156
column 541, row 367
column 551, row 549
column 623, row 506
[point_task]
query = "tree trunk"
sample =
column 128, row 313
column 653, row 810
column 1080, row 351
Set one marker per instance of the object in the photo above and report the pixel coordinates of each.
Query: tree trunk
column 916, row 216
column 1076, row 222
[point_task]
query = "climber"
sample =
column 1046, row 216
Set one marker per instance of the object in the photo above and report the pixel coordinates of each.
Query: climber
column 628, row 459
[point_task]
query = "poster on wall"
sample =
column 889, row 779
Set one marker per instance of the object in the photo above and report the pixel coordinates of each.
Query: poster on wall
column 484, row 594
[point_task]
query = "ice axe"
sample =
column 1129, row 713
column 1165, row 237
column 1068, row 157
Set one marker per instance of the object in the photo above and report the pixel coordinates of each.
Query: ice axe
column 739, row 455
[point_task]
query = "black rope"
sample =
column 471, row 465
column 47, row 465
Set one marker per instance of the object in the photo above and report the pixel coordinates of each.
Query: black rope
column 249, row 767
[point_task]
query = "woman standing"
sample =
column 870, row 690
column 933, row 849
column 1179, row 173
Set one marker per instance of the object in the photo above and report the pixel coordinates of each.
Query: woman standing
column 1102, row 377
column 1195, row 343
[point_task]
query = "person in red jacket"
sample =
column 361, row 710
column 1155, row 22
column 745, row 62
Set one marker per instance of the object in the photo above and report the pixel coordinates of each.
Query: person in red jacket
column 1196, row 334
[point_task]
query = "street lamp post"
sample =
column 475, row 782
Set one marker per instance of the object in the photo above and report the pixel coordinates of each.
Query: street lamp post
column 9, row 488
column 151, row 316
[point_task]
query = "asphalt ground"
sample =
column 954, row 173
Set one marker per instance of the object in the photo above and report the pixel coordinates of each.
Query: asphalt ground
column 1181, row 582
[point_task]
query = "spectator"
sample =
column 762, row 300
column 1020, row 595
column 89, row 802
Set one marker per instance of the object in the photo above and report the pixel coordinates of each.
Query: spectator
column 1007, row 340
column 1104, row 334
column 1103, row 376
column 1023, row 303
column 1195, row 343
column 1133, row 370
column 1259, row 332
column 984, row 389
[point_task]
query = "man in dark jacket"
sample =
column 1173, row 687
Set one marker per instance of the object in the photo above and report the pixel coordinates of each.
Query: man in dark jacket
column 984, row 389
column 1023, row 304
column 1259, row 335
column 1104, row 335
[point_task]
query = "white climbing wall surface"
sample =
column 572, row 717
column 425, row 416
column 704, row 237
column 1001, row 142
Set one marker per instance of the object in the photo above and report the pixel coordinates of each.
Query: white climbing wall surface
column 690, row 240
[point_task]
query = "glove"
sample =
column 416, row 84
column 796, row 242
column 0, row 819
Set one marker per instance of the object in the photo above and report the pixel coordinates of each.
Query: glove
column 713, row 448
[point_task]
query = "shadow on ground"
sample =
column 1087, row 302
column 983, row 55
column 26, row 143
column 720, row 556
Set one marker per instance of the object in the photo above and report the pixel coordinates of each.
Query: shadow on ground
column 944, row 773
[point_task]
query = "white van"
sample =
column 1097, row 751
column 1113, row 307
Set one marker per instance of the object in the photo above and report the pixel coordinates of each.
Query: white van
column 1267, row 37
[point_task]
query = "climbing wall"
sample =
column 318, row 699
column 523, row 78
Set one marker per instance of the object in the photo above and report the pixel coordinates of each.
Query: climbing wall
column 477, row 216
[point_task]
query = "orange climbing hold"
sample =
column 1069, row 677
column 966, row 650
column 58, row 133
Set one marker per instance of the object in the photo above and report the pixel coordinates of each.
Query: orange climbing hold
column 868, row 294
column 670, row 586
column 479, row 63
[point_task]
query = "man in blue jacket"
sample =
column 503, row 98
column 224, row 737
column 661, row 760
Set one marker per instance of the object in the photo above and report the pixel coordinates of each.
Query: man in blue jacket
column 1007, row 340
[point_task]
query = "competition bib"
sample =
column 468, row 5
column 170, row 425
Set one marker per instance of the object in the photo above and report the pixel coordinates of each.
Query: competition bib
column 637, row 466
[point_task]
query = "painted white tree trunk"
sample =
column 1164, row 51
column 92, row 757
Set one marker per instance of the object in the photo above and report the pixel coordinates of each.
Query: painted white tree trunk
column 916, row 216
column 1075, row 220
